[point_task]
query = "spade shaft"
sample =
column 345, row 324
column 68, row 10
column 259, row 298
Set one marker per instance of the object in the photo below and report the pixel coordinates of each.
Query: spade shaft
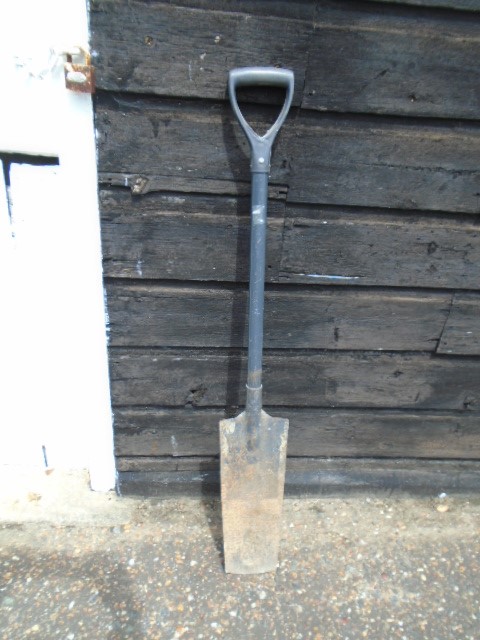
column 253, row 445
column 258, row 234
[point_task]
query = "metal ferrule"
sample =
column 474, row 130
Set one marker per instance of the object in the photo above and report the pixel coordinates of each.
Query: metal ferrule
column 253, row 406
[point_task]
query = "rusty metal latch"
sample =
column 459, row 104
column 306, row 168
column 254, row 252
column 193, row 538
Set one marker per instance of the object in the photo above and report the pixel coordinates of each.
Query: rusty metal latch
column 80, row 77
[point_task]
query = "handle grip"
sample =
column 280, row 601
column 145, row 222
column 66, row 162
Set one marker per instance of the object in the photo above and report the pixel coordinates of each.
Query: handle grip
column 268, row 76
column 261, row 146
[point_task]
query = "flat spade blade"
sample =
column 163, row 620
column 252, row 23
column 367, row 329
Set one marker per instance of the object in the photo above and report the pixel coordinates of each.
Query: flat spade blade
column 252, row 479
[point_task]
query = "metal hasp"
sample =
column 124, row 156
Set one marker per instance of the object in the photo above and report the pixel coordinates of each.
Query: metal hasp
column 253, row 446
column 80, row 77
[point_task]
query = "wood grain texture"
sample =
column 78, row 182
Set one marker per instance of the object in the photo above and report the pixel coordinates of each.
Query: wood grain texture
column 187, row 316
column 364, row 58
column 357, row 57
column 381, row 163
column 461, row 333
column 172, row 50
column 216, row 378
column 323, row 246
column 312, row 432
column 291, row 9
column 375, row 186
column 385, row 164
column 460, row 5
column 141, row 185
column 178, row 237
column 167, row 463
column 311, row 476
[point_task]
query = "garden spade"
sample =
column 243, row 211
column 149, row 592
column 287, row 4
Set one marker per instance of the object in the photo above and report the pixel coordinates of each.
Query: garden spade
column 253, row 445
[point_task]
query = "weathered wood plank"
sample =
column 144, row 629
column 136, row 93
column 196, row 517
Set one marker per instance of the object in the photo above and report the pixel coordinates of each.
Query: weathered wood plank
column 325, row 159
column 181, row 51
column 322, row 246
column 292, row 9
column 460, row 5
column 461, row 333
column 209, row 378
column 188, row 316
column 168, row 463
column 183, row 237
column 312, row 432
column 177, row 236
column 313, row 476
column 397, row 165
column 141, row 185
column 361, row 58
column 302, row 10
column 184, row 139
column 365, row 59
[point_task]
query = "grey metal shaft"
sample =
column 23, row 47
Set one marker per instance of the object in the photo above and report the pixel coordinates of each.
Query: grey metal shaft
column 261, row 149
column 256, row 292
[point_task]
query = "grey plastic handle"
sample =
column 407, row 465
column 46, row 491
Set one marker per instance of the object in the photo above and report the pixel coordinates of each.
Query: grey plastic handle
column 261, row 146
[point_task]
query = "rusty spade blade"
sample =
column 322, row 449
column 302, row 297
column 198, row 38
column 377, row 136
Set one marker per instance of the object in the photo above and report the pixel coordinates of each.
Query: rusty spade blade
column 253, row 445
column 253, row 476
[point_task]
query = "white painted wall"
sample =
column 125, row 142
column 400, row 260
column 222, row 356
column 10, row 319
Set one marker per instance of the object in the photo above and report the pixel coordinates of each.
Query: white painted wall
column 54, row 385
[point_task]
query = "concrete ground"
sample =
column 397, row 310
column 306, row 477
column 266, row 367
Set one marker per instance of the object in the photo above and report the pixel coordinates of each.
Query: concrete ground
column 78, row 565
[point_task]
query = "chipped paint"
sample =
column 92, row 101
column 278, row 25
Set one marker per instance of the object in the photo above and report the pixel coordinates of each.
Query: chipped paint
column 328, row 277
column 174, row 444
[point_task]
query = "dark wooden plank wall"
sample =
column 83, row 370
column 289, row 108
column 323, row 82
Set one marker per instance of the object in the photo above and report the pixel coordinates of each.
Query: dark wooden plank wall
column 373, row 289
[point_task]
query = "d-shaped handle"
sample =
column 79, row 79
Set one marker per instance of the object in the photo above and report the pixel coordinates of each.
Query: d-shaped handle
column 261, row 146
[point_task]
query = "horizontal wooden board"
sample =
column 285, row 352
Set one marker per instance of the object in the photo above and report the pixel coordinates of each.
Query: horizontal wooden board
column 323, row 158
column 356, row 57
column 209, row 378
column 460, row 5
column 365, row 59
column 309, row 477
column 167, row 463
column 322, row 246
column 186, row 139
column 312, row 432
column 292, row 9
column 183, row 237
column 187, row 316
column 181, row 51
column 141, row 185
column 177, row 236
column 386, row 164
column 461, row 333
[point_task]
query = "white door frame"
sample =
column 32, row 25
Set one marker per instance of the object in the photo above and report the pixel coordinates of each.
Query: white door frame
column 40, row 117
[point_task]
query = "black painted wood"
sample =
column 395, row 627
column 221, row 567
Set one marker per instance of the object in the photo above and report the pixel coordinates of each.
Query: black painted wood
column 183, row 237
column 160, row 48
column 318, row 476
column 460, row 5
column 461, row 333
column 356, row 56
column 364, row 59
column 381, row 163
column 141, row 185
column 353, row 247
column 206, row 316
column 312, row 432
column 373, row 248
column 216, row 378
column 177, row 236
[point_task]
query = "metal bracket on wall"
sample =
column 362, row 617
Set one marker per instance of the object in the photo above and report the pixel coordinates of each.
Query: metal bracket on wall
column 80, row 77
